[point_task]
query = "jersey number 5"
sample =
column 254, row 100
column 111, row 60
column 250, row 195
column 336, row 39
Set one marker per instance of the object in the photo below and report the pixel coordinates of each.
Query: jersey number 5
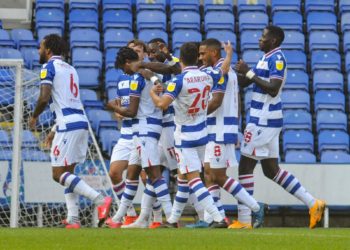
column 193, row 109
column 73, row 86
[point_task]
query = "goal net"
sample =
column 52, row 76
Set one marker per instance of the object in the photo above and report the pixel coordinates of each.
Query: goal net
column 28, row 195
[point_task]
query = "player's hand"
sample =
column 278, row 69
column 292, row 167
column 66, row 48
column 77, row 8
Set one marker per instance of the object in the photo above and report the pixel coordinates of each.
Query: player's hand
column 146, row 73
column 119, row 116
column 241, row 67
column 163, row 48
column 136, row 66
column 157, row 89
column 32, row 123
column 228, row 48
column 48, row 139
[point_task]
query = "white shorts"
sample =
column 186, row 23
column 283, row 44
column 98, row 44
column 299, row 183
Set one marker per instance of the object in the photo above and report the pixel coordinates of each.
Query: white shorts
column 145, row 153
column 167, row 149
column 220, row 155
column 190, row 159
column 69, row 147
column 260, row 142
column 122, row 150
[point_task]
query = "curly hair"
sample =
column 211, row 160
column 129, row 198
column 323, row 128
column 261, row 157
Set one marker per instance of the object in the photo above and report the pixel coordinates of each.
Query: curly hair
column 124, row 54
column 56, row 44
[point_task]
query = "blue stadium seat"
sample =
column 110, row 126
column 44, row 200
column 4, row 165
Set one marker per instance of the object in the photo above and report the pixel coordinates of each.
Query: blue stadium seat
column 89, row 77
column 215, row 20
column 50, row 18
column 253, row 21
column 297, row 79
column 316, row 5
column 296, row 99
column 293, row 40
column 151, row 19
column 119, row 19
column 346, row 42
column 329, row 99
column 147, row 35
column 31, row 58
column 321, row 21
column 7, row 96
column 323, row 40
column 258, row 5
column 251, row 57
column 347, row 62
column 58, row 4
column 192, row 5
column 5, row 141
column 5, row 155
column 345, row 22
column 6, row 78
column 117, row 38
column 96, row 116
column 299, row 156
column 111, row 93
column 224, row 5
column 335, row 157
column 28, row 139
column 85, row 38
column 296, row 59
column 90, row 100
column 108, row 138
column 328, row 79
column 333, row 140
column 83, row 18
column 325, row 59
column 150, row 5
column 297, row 119
column 298, row 140
column 344, row 6
column 288, row 20
column 250, row 39
column 47, row 31
column 185, row 20
column 110, row 56
column 7, row 53
column 86, row 4
column 285, row 5
column 34, row 155
column 331, row 119
column 112, row 78
column 116, row 5
column 182, row 36
column 23, row 38
column 5, row 40
column 223, row 36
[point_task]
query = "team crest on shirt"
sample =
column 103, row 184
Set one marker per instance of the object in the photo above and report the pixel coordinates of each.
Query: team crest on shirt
column 133, row 85
column 222, row 80
column 279, row 64
column 43, row 73
column 171, row 87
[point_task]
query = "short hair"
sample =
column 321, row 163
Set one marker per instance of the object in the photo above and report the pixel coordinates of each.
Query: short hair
column 124, row 54
column 55, row 44
column 213, row 43
column 138, row 42
column 157, row 40
column 189, row 53
column 276, row 32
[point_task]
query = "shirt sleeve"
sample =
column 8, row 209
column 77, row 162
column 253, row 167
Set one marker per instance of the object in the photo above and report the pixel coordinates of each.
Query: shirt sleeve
column 277, row 66
column 174, row 87
column 219, row 80
column 47, row 73
column 137, row 84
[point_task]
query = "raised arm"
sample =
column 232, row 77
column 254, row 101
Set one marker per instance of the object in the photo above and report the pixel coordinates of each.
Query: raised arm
column 226, row 65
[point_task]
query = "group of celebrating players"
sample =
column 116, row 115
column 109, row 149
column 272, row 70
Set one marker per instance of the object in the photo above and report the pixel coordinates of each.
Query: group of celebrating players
column 181, row 114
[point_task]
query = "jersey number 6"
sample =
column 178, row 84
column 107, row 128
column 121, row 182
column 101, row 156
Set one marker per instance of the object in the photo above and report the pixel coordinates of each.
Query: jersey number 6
column 73, row 86
column 193, row 109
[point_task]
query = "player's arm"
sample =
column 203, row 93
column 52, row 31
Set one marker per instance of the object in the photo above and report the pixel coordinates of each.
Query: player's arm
column 215, row 102
column 226, row 64
column 218, row 89
column 43, row 100
column 161, row 102
column 130, row 111
column 157, row 67
column 111, row 106
column 50, row 136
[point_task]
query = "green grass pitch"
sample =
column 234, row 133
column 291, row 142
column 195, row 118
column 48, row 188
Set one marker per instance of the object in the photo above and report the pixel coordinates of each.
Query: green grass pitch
column 189, row 239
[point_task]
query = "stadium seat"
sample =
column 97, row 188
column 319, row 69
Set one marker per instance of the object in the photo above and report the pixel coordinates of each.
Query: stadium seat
column 331, row 119
column 150, row 5
column 34, row 155
column 296, row 59
column 285, row 5
column 251, row 57
column 90, row 100
column 295, row 99
column 224, row 5
column 288, row 20
column 223, row 36
column 110, row 56
column 293, row 40
column 116, row 5
column 85, row 4
column 253, row 21
column 7, row 53
column 321, row 21
column 6, row 77
column 329, row 99
column 344, row 6
column 345, row 22
column 31, row 58
column 49, row 18
column 323, row 40
column 192, row 5
column 23, row 38
column 347, row 62
column 118, row 19
column 325, row 59
column 5, row 141
column 83, row 18
column 5, row 40
column 58, row 4
column 328, row 79
column 333, row 140
column 297, row 79
column 185, row 20
column 182, row 36
column 112, row 76
column 250, row 39
column 151, row 19
column 217, row 20
column 117, row 38
column 111, row 93
column 297, row 119
column 96, row 116
column 7, row 96
column 147, row 35
column 298, row 140
column 299, row 156
column 47, row 31
column 84, row 38
column 335, row 157
column 108, row 138
column 346, row 42
column 28, row 139
column 316, row 5
column 257, row 5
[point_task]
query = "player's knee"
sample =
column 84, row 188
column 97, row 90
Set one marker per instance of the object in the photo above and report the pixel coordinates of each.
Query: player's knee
column 56, row 176
column 270, row 172
column 116, row 176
